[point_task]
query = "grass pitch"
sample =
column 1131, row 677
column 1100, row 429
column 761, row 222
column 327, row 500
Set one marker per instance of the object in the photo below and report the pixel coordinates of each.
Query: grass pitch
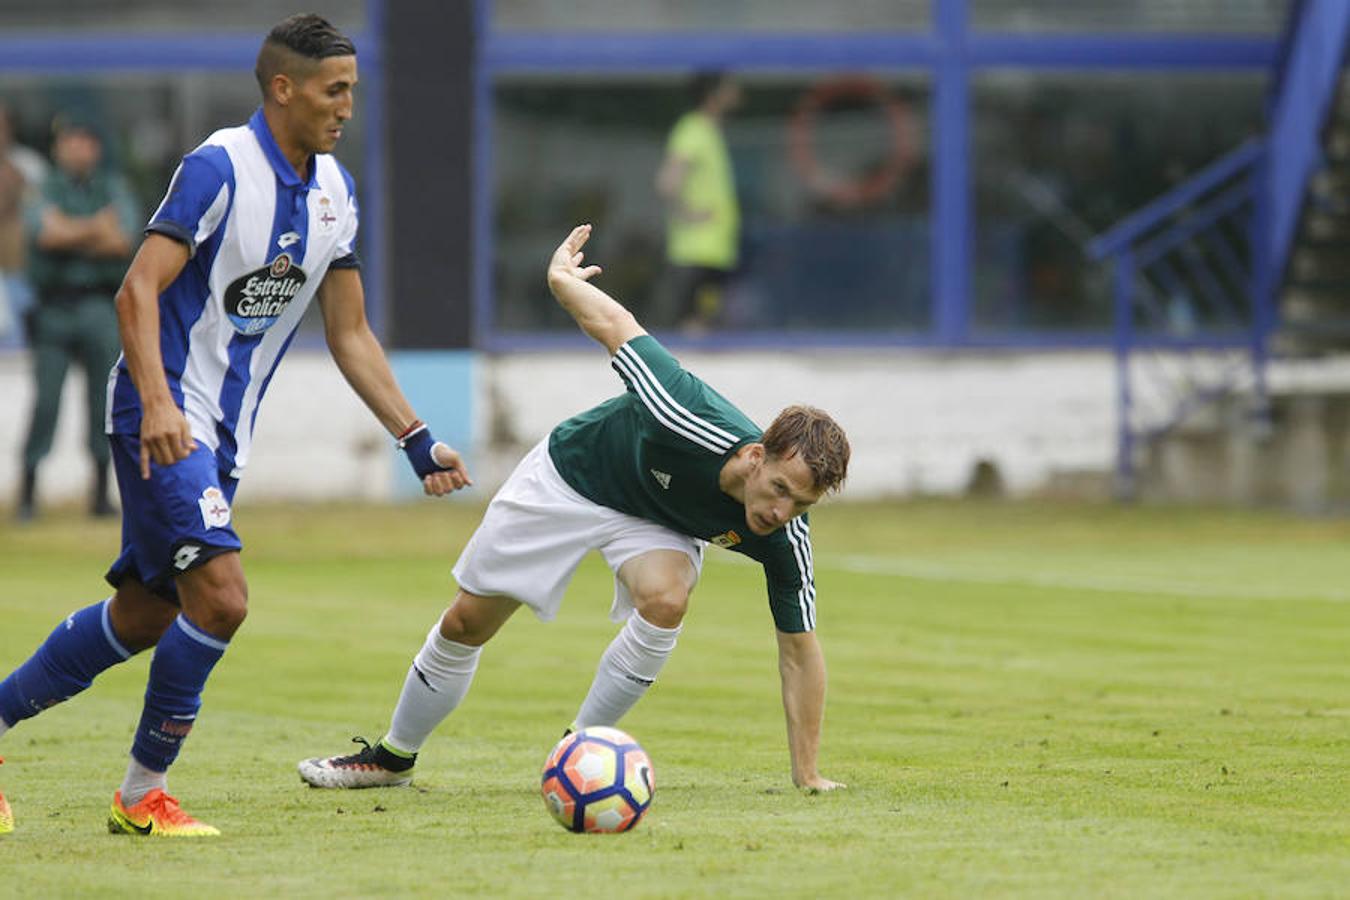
column 1024, row 701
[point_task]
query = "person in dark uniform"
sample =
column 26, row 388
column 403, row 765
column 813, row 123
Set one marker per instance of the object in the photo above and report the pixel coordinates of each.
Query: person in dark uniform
column 80, row 230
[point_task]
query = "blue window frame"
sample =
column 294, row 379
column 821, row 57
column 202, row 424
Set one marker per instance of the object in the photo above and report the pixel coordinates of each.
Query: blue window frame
column 949, row 53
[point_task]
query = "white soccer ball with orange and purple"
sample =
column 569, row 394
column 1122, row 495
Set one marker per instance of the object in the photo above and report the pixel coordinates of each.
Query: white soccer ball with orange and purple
column 598, row 781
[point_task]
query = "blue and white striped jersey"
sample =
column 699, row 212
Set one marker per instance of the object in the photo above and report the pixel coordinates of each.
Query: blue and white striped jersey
column 261, row 241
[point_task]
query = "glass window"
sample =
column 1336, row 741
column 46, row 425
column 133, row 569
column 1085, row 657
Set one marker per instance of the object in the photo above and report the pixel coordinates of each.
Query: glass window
column 1059, row 158
column 1226, row 16
column 830, row 177
column 167, row 15
column 709, row 15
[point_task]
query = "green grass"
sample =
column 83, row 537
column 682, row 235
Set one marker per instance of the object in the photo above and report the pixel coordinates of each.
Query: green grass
column 1025, row 700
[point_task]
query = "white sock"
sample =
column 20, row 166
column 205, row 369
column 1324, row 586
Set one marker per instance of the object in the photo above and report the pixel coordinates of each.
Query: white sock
column 140, row 781
column 437, row 681
column 630, row 665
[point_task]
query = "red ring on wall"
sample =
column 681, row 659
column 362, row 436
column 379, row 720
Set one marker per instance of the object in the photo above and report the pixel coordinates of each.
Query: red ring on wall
column 865, row 188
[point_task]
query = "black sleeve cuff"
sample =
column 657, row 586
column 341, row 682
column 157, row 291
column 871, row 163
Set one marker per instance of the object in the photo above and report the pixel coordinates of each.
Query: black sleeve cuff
column 175, row 231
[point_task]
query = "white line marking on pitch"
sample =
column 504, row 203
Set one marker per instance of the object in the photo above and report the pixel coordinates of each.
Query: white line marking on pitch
column 859, row 564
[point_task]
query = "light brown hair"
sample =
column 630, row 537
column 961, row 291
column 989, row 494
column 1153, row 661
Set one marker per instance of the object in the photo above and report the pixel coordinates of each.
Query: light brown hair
column 818, row 438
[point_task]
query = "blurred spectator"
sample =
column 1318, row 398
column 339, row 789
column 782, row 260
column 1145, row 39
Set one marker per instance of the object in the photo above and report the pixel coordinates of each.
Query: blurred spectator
column 81, row 228
column 703, row 216
column 21, row 171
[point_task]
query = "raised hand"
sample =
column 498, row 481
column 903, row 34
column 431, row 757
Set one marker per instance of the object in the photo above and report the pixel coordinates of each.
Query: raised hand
column 567, row 259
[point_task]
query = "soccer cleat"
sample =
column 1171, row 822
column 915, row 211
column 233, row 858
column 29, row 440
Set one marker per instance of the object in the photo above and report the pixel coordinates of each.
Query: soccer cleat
column 373, row 766
column 6, row 814
column 157, row 815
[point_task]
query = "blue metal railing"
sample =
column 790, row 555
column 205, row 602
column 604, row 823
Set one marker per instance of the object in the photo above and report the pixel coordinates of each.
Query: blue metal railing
column 1189, row 249
column 1183, row 241
column 1302, row 103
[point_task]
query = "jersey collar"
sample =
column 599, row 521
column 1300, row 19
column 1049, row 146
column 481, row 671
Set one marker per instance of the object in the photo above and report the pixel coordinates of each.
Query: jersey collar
column 280, row 164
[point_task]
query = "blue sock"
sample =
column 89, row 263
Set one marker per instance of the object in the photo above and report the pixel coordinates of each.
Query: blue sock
column 77, row 650
column 183, row 659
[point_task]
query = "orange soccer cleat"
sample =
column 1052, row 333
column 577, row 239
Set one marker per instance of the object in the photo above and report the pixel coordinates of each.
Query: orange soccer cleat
column 157, row 815
column 6, row 814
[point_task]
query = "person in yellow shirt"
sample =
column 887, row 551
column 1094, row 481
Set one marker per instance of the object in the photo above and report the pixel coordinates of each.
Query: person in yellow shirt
column 703, row 217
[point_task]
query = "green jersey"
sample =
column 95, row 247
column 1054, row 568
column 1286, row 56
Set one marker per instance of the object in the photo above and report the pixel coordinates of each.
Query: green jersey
column 656, row 452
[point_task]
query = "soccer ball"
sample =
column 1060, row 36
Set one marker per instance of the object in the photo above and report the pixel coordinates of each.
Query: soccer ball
column 597, row 780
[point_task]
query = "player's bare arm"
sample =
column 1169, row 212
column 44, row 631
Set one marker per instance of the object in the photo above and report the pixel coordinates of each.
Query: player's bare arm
column 599, row 315
column 362, row 362
column 166, row 436
column 801, row 665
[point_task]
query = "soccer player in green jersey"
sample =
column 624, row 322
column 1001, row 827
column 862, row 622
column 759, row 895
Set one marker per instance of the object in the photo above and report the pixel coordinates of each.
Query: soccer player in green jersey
column 648, row 478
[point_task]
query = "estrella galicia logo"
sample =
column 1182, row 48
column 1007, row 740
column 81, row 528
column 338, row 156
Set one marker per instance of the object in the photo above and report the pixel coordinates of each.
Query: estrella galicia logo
column 255, row 301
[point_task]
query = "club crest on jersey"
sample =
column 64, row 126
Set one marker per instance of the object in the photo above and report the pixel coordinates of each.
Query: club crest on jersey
column 725, row 539
column 327, row 218
column 255, row 301
column 215, row 508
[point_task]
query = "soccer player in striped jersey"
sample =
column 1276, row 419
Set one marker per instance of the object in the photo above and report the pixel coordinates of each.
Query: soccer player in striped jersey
column 257, row 222
column 647, row 478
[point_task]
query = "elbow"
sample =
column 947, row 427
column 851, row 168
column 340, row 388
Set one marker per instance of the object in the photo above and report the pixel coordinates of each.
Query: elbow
column 123, row 299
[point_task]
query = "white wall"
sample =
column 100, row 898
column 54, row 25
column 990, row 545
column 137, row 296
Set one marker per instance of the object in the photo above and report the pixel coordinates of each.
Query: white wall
column 315, row 439
column 918, row 421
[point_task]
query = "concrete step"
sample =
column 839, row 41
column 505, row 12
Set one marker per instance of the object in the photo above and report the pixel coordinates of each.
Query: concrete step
column 1306, row 309
column 1308, row 339
column 1337, row 145
column 1331, row 181
column 1320, row 264
column 1323, row 226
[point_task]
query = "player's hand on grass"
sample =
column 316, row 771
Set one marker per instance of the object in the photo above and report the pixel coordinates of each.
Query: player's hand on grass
column 566, row 262
column 166, row 436
column 438, row 465
column 814, row 784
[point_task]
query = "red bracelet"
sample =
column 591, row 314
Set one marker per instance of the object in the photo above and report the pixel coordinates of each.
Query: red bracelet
column 407, row 432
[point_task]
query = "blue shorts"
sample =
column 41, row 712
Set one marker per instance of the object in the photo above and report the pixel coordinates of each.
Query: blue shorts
column 173, row 522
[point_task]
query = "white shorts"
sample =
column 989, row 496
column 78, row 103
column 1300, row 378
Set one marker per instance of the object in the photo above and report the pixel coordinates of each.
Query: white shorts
column 536, row 531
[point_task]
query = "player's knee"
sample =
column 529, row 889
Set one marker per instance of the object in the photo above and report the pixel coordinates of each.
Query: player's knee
column 663, row 607
column 459, row 625
column 215, row 596
column 473, row 620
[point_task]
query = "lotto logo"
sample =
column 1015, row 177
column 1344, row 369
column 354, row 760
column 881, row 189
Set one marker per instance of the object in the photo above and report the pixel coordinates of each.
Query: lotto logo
column 186, row 556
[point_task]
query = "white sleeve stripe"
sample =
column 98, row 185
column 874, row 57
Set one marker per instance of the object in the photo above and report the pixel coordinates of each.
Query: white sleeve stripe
column 655, row 409
column 654, row 396
column 711, row 430
column 709, row 427
column 798, row 538
column 678, row 419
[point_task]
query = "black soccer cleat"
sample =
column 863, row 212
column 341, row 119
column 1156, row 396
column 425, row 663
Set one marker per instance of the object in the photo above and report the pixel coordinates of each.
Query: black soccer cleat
column 373, row 766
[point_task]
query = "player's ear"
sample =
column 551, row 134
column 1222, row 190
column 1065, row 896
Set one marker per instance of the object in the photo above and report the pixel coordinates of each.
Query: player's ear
column 755, row 453
column 282, row 88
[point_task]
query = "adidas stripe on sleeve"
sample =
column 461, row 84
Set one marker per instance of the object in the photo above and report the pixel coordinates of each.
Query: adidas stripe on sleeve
column 668, row 392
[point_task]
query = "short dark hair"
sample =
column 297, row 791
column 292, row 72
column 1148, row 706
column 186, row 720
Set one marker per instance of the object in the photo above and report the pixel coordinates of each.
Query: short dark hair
column 305, row 39
column 705, row 84
column 819, row 440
